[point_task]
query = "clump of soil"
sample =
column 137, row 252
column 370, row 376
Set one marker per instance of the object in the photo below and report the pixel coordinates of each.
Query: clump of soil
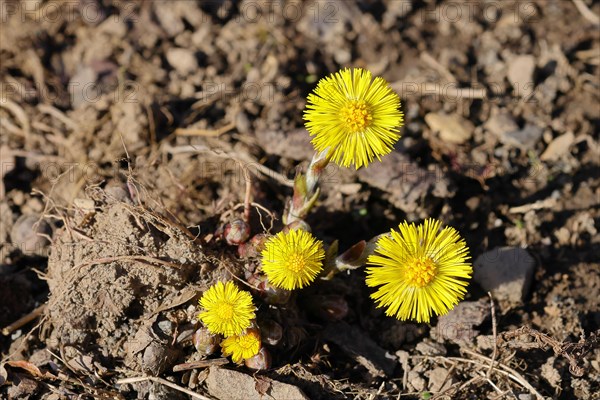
column 114, row 272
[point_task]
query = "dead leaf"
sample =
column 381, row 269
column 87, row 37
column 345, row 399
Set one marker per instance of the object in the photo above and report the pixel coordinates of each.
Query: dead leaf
column 27, row 366
column 262, row 384
column 3, row 375
column 82, row 363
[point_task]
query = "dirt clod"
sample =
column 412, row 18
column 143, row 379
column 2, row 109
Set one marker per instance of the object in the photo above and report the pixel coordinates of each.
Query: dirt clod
column 104, row 288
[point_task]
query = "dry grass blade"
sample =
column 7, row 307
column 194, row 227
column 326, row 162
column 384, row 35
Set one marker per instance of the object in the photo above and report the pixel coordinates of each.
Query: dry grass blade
column 19, row 114
column 53, row 111
column 495, row 332
column 205, row 132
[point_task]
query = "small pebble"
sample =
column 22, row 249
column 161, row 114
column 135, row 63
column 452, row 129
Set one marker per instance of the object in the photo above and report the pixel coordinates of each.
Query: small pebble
column 26, row 235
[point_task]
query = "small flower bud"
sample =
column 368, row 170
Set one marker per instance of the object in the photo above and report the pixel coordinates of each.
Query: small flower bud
column 273, row 295
column 296, row 224
column 258, row 241
column 266, row 291
column 261, row 361
column 205, row 342
column 253, row 247
column 236, row 232
column 272, row 332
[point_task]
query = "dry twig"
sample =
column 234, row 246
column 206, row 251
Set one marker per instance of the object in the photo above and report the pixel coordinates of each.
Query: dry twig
column 495, row 332
column 23, row 320
column 205, row 132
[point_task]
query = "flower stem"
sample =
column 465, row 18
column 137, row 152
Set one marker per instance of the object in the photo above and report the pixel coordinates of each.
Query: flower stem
column 306, row 188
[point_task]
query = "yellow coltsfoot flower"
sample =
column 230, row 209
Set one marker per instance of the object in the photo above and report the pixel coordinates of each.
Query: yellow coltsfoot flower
column 242, row 347
column 292, row 259
column 420, row 270
column 227, row 309
column 355, row 116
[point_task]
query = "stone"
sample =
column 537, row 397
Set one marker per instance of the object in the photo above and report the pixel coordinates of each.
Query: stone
column 458, row 326
column 558, row 147
column 451, row 127
column 500, row 123
column 440, row 379
column 429, row 348
column 228, row 384
column 416, row 381
column 524, row 138
column 158, row 358
column 30, row 234
column 506, row 272
column 83, row 85
column 485, row 342
column 169, row 15
column 183, row 60
column 520, row 74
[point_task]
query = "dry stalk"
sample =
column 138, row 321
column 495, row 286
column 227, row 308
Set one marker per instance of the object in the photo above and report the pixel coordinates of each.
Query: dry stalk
column 23, row 320
column 495, row 333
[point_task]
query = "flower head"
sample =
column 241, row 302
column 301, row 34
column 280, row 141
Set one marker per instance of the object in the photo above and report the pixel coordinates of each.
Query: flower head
column 420, row 269
column 355, row 117
column 243, row 346
column 292, row 259
column 227, row 310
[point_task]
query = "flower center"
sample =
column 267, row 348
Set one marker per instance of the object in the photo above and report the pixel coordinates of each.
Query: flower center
column 296, row 263
column 225, row 311
column 420, row 271
column 355, row 114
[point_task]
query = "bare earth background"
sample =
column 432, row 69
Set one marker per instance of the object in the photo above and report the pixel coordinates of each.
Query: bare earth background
column 129, row 132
